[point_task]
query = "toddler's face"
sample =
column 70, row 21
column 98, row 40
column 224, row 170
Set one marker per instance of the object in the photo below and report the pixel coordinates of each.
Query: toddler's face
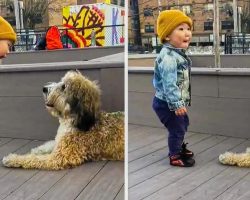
column 180, row 36
column 5, row 46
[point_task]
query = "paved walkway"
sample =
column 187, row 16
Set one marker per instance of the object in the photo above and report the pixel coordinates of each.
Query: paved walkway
column 151, row 177
column 90, row 181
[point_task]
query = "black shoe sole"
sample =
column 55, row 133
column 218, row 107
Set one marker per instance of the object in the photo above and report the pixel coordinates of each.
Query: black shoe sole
column 183, row 165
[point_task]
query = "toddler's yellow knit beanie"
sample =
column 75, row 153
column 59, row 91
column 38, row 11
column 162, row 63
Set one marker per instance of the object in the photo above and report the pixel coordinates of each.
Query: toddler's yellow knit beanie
column 168, row 20
column 6, row 31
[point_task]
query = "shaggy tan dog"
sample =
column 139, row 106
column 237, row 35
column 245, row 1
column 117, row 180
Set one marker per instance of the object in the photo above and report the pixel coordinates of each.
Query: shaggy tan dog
column 238, row 159
column 84, row 134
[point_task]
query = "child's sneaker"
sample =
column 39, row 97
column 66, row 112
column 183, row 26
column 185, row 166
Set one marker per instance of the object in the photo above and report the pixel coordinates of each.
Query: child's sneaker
column 181, row 161
column 185, row 152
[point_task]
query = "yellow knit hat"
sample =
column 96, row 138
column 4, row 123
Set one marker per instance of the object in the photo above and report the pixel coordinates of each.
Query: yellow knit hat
column 168, row 20
column 6, row 31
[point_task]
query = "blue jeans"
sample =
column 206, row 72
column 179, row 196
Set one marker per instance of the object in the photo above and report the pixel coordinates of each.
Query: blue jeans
column 176, row 125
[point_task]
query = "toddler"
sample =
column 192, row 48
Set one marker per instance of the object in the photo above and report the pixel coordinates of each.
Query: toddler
column 7, row 37
column 172, row 83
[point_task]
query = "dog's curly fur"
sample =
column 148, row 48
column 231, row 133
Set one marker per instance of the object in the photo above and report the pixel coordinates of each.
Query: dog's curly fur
column 238, row 159
column 85, row 133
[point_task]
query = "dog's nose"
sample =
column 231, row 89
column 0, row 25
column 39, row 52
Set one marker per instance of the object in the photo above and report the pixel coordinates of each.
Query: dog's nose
column 45, row 89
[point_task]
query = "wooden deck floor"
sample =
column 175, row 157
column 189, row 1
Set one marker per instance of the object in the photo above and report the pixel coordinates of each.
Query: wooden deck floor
column 90, row 181
column 151, row 176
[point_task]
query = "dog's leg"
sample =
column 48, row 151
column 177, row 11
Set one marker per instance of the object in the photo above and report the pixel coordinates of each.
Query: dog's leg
column 47, row 161
column 239, row 159
column 67, row 153
column 30, row 161
column 45, row 148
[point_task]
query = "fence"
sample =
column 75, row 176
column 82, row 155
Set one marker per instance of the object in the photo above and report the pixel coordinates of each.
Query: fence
column 73, row 37
column 233, row 44
column 148, row 45
column 237, row 44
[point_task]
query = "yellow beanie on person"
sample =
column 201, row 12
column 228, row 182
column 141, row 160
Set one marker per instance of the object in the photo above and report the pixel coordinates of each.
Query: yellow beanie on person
column 6, row 31
column 168, row 20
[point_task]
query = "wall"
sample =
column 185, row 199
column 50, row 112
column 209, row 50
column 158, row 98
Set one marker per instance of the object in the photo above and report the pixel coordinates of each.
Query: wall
column 227, row 61
column 220, row 100
column 23, row 114
column 61, row 55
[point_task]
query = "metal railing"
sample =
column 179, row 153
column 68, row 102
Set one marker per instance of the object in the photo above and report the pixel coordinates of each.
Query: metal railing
column 233, row 44
column 147, row 46
column 237, row 44
column 110, row 36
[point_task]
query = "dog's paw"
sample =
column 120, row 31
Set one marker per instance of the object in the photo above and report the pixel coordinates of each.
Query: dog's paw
column 222, row 158
column 46, row 148
column 10, row 161
column 248, row 150
column 225, row 157
column 37, row 151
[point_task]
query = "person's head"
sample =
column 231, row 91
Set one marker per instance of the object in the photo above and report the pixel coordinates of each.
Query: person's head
column 174, row 27
column 7, row 37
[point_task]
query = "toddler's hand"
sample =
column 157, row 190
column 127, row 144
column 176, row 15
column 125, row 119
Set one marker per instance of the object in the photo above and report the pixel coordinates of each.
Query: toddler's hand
column 181, row 111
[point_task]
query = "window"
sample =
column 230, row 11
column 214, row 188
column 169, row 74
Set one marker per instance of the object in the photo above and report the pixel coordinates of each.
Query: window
column 209, row 7
column 148, row 12
column 135, row 23
column 186, row 9
column 208, row 26
column 228, row 8
column 2, row 2
column 226, row 25
column 149, row 28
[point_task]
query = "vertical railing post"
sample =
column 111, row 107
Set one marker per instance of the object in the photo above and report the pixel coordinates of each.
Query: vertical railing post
column 216, row 33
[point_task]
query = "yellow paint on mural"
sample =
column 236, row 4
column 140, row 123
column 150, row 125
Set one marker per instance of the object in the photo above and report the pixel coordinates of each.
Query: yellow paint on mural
column 82, row 24
column 66, row 11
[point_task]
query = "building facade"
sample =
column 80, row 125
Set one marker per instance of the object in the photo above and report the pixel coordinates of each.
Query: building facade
column 134, row 30
column 200, row 11
column 115, row 2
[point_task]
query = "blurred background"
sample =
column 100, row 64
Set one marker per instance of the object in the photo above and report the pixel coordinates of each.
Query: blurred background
column 234, row 19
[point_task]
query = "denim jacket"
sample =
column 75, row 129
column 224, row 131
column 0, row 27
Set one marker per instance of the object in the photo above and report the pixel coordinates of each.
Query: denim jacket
column 172, row 77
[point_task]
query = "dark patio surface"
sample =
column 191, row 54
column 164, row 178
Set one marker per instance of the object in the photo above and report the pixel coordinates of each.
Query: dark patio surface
column 151, row 176
column 90, row 181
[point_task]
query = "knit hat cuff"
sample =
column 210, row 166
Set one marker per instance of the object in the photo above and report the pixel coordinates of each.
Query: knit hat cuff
column 8, row 36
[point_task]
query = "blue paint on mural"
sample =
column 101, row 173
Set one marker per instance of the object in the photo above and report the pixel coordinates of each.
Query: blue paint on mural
column 114, row 23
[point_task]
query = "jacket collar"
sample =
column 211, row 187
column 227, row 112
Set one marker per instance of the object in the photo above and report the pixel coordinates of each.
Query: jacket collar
column 181, row 51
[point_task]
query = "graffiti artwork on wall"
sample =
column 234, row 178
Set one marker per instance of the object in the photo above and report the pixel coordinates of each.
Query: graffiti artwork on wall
column 93, row 25
column 81, row 24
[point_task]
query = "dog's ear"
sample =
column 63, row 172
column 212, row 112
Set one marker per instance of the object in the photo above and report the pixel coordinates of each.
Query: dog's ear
column 86, row 121
column 76, row 71
column 84, row 118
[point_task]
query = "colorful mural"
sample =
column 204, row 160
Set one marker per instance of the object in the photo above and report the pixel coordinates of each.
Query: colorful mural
column 93, row 25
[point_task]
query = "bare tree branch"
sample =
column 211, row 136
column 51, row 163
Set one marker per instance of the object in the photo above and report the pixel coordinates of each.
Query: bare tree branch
column 35, row 11
column 245, row 17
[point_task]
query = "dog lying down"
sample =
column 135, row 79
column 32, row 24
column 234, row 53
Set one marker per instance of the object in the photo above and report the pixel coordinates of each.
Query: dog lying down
column 85, row 133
